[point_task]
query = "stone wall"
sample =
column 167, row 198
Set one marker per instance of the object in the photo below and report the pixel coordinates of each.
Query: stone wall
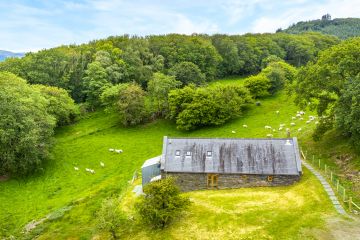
column 198, row 181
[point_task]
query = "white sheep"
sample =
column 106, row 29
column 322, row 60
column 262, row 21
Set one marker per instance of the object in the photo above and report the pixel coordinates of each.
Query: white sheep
column 282, row 125
column 293, row 118
column 316, row 122
column 274, row 130
column 111, row 149
column 102, row 164
column 307, row 122
column 302, row 112
column 233, row 131
column 245, row 126
column 298, row 115
column 118, row 150
column 76, row 168
column 277, row 112
column 301, row 118
column 292, row 124
column 87, row 169
column 92, row 171
column 268, row 127
column 299, row 130
column 280, row 128
column 269, row 135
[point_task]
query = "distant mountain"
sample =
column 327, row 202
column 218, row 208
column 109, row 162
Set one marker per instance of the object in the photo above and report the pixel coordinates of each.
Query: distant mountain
column 340, row 27
column 7, row 54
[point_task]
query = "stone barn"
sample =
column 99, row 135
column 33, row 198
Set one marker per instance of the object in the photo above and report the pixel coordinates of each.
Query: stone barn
column 219, row 163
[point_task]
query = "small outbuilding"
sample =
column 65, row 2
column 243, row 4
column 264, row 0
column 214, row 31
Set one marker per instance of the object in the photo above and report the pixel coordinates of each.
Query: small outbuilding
column 218, row 163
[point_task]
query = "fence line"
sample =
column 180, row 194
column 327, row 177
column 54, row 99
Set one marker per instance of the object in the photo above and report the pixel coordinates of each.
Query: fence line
column 335, row 183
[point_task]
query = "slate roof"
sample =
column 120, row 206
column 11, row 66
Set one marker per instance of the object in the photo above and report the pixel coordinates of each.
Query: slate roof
column 232, row 155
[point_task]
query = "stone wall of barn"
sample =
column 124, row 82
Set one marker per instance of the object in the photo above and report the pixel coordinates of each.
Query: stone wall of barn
column 197, row 181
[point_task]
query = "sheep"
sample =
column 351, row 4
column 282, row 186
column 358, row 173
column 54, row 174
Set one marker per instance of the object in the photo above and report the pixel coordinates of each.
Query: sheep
column 245, row 126
column 233, row 131
column 118, row 150
column 301, row 118
column 280, row 128
column 76, row 168
column 293, row 118
column 299, row 130
column 302, row 112
column 298, row 115
column 282, row 125
column 111, row 149
column 92, row 171
column 269, row 135
column 274, row 130
column 316, row 122
column 277, row 112
column 102, row 164
column 268, row 127
column 87, row 169
column 292, row 124
column 307, row 122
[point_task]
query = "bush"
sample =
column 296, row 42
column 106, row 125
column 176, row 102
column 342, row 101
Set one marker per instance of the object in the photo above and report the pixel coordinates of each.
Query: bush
column 110, row 218
column 258, row 85
column 279, row 73
column 128, row 100
column 192, row 108
column 162, row 203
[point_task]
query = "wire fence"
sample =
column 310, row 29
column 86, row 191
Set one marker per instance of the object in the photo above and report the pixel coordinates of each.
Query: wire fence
column 343, row 193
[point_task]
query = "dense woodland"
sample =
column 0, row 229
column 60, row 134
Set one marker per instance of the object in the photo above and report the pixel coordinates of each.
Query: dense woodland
column 145, row 78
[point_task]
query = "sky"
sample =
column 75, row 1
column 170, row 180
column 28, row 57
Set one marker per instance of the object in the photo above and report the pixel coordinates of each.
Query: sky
column 33, row 25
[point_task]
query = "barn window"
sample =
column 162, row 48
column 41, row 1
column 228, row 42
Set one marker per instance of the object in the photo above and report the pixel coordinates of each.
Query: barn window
column 212, row 180
column 270, row 178
column 177, row 153
column 188, row 154
column 209, row 153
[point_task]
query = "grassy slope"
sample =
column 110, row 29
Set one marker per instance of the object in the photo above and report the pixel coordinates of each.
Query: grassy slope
column 86, row 143
column 248, row 213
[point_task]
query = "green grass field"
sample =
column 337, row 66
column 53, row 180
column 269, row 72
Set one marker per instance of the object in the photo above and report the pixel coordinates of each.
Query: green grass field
column 86, row 143
column 248, row 213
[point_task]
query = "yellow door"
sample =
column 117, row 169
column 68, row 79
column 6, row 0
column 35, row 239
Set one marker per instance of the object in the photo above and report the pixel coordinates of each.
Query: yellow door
column 212, row 180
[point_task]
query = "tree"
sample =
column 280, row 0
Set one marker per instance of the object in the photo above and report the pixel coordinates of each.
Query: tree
column 332, row 77
column 162, row 203
column 347, row 111
column 158, row 88
column 60, row 104
column 187, row 72
column 128, row 100
column 258, row 85
column 110, row 218
column 95, row 81
column 25, row 126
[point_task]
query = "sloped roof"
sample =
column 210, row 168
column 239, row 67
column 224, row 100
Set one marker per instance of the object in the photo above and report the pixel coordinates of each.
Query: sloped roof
column 232, row 155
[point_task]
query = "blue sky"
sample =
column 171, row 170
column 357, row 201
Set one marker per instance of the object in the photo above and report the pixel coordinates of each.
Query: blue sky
column 32, row 25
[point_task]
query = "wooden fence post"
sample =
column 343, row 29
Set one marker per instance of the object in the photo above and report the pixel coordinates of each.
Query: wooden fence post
column 350, row 204
column 331, row 176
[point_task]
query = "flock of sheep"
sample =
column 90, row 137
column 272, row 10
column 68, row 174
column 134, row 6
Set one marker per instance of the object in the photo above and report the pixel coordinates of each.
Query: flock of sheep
column 299, row 116
column 92, row 171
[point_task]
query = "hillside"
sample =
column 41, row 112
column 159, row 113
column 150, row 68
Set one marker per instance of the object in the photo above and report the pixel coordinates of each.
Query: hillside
column 340, row 27
column 72, row 198
column 7, row 54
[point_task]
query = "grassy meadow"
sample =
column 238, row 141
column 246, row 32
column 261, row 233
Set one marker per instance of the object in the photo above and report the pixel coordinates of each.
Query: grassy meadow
column 72, row 197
